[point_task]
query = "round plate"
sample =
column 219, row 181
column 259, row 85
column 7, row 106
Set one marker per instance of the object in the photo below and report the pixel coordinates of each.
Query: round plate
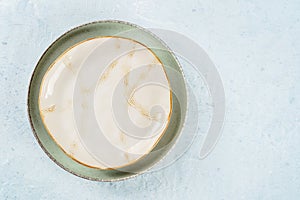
column 108, row 29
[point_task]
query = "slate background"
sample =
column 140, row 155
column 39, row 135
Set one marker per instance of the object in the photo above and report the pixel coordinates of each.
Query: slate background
column 256, row 48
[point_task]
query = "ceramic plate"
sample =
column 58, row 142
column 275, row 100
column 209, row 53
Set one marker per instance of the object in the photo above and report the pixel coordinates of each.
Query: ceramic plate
column 107, row 100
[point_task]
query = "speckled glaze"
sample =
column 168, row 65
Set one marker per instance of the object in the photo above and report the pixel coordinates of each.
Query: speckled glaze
column 162, row 143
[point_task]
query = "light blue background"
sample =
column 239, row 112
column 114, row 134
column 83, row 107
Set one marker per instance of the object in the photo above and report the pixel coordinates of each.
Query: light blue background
column 256, row 48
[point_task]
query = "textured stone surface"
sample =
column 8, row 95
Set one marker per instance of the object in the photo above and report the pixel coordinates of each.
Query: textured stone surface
column 255, row 46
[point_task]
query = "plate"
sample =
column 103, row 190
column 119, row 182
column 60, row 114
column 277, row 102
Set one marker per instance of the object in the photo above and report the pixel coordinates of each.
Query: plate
column 111, row 169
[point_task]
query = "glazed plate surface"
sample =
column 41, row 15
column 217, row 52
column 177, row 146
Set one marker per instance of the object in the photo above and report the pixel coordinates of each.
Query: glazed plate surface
column 107, row 100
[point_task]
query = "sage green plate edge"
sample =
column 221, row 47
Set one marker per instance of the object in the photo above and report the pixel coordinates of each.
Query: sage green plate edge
column 92, row 30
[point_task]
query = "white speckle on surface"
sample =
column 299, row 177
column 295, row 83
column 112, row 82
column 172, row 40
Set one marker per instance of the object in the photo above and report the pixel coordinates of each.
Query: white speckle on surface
column 255, row 46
